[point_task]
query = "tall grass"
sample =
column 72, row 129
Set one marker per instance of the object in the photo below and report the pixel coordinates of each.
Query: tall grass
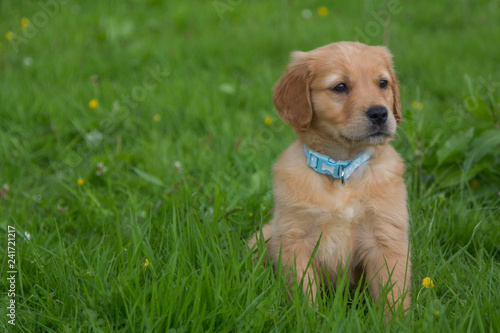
column 155, row 243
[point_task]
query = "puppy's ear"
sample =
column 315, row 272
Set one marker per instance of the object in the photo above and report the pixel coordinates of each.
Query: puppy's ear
column 292, row 95
column 396, row 108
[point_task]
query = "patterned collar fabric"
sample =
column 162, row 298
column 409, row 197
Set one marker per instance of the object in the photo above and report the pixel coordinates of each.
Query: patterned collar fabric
column 338, row 169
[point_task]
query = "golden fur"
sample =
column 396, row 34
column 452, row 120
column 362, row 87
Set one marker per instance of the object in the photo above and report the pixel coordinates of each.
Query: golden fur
column 363, row 223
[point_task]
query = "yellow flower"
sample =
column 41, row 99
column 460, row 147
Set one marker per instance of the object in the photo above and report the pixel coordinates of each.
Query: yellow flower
column 322, row 10
column 157, row 117
column 24, row 22
column 427, row 283
column 9, row 35
column 93, row 103
column 250, row 214
column 81, row 181
column 146, row 264
column 442, row 197
column 268, row 120
column 417, row 105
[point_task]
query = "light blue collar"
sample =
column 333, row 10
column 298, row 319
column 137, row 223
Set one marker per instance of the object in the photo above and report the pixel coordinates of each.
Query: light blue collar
column 338, row 169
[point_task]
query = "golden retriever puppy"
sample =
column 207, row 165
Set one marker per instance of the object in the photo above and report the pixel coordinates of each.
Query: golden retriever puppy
column 339, row 186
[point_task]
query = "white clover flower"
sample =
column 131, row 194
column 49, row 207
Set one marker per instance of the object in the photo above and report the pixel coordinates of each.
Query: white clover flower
column 306, row 13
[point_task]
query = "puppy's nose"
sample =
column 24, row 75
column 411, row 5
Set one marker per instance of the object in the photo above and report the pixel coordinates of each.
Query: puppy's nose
column 377, row 114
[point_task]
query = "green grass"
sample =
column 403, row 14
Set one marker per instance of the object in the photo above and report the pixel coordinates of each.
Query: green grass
column 185, row 191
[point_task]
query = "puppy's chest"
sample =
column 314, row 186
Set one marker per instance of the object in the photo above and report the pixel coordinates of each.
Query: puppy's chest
column 343, row 203
column 343, row 209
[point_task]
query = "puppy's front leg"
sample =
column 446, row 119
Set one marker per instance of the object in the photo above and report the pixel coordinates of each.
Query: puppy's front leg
column 296, row 255
column 388, row 264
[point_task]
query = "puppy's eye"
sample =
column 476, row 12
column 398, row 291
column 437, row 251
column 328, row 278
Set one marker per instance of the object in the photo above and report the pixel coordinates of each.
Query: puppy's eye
column 340, row 88
column 383, row 84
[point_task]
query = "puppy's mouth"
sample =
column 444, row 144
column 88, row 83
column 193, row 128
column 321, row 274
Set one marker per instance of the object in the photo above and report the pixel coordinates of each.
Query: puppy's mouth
column 378, row 135
column 372, row 138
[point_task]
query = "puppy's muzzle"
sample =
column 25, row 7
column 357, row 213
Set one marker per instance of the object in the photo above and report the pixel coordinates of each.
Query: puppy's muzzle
column 377, row 114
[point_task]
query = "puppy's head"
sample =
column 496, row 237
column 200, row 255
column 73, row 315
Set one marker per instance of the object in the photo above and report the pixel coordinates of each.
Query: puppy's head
column 343, row 91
